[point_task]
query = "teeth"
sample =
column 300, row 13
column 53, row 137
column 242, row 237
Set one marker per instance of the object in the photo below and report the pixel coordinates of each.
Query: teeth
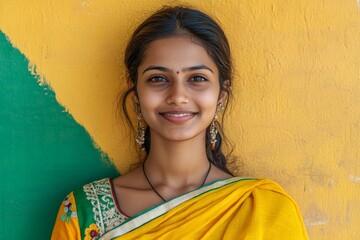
column 178, row 115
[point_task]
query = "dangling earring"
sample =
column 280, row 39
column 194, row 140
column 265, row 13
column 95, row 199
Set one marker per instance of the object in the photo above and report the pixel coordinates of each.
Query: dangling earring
column 213, row 127
column 140, row 138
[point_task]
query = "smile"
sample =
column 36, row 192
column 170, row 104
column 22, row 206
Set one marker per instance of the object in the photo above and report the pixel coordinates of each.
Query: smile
column 178, row 117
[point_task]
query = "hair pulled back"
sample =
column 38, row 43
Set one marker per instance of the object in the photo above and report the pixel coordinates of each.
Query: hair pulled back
column 175, row 21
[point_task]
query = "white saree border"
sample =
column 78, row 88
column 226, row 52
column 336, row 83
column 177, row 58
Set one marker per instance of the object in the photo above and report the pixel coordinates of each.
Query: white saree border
column 163, row 208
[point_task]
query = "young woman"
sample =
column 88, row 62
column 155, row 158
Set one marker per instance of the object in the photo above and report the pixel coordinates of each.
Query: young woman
column 178, row 63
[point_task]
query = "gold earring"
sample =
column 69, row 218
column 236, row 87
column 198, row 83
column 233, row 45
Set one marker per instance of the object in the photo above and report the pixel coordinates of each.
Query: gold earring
column 140, row 138
column 213, row 127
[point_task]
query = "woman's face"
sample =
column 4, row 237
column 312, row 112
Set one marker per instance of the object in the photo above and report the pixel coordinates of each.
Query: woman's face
column 178, row 89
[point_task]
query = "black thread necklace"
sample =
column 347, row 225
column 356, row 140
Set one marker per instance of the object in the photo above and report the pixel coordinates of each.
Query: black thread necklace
column 153, row 188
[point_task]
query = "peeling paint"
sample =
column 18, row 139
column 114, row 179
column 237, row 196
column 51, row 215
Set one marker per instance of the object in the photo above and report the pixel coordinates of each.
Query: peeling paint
column 320, row 222
column 315, row 216
column 355, row 179
column 40, row 78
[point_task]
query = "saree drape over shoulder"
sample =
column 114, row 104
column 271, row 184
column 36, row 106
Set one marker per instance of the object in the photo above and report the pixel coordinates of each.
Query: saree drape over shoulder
column 235, row 208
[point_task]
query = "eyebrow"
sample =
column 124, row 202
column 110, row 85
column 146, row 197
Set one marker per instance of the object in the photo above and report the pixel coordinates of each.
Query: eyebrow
column 188, row 69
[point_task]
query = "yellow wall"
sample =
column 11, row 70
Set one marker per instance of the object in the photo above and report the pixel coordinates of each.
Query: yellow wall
column 296, row 113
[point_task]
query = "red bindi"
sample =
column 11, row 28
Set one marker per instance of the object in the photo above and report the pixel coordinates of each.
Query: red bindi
column 177, row 72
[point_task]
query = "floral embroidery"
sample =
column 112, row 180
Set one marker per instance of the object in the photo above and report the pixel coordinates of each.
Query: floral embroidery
column 92, row 232
column 105, row 212
column 68, row 210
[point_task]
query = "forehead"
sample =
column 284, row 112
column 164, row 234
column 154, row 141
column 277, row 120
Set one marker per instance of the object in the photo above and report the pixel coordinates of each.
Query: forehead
column 176, row 53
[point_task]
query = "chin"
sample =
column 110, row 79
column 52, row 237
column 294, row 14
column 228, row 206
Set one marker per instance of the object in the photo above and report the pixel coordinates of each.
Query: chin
column 183, row 137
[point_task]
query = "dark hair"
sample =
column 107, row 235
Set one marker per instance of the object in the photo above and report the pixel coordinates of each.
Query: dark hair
column 172, row 21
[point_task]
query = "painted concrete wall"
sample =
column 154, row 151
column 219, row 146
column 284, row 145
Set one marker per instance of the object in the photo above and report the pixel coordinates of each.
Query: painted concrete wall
column 295, row 117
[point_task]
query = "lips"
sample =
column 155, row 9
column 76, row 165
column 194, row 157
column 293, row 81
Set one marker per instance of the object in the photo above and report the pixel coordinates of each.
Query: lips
column 178, row 117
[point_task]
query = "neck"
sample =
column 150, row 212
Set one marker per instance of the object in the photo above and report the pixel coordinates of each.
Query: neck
column 177, row 163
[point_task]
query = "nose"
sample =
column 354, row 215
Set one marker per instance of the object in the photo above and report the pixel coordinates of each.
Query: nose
column 178, row 94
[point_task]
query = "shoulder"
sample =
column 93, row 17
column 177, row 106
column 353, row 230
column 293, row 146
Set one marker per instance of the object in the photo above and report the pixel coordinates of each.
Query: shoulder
column 270, row 188
column 82, row 197
column 264, row 189
column 91, row 194
column 266, row 207
column 264, row 184
column 97, row 200
column 278, row 208
column 93, row 210
column 133, row 179
column 267, row 194
column 98, row 187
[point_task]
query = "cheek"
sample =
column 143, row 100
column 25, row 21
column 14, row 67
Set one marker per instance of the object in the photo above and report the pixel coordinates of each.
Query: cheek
column 208, row 102
column 148, row 102
column 148, row 97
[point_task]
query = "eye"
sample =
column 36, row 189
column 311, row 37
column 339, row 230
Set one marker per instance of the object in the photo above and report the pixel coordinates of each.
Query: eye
column 157, row 79
column 198, row 79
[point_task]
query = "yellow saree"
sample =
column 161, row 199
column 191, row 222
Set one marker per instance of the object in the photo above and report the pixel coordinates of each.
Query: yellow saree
column 234, row 208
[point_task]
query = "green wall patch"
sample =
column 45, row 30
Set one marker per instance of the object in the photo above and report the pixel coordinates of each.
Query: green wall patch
column 44, row 153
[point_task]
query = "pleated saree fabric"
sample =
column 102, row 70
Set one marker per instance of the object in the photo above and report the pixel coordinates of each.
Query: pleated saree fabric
column 235, row 208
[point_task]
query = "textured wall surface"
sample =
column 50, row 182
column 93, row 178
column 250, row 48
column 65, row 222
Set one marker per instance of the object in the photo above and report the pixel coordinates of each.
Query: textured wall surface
column 295, row 115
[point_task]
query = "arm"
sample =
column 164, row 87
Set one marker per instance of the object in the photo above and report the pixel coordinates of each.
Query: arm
column 67, row 223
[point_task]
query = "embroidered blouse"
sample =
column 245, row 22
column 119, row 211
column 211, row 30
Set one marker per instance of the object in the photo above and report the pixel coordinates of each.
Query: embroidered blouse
column 89, row 212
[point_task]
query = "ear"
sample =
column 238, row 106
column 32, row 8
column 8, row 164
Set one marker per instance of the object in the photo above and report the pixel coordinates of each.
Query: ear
column 130, row 83
column 135, row 98
column 133, row 93
column 224, row 94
